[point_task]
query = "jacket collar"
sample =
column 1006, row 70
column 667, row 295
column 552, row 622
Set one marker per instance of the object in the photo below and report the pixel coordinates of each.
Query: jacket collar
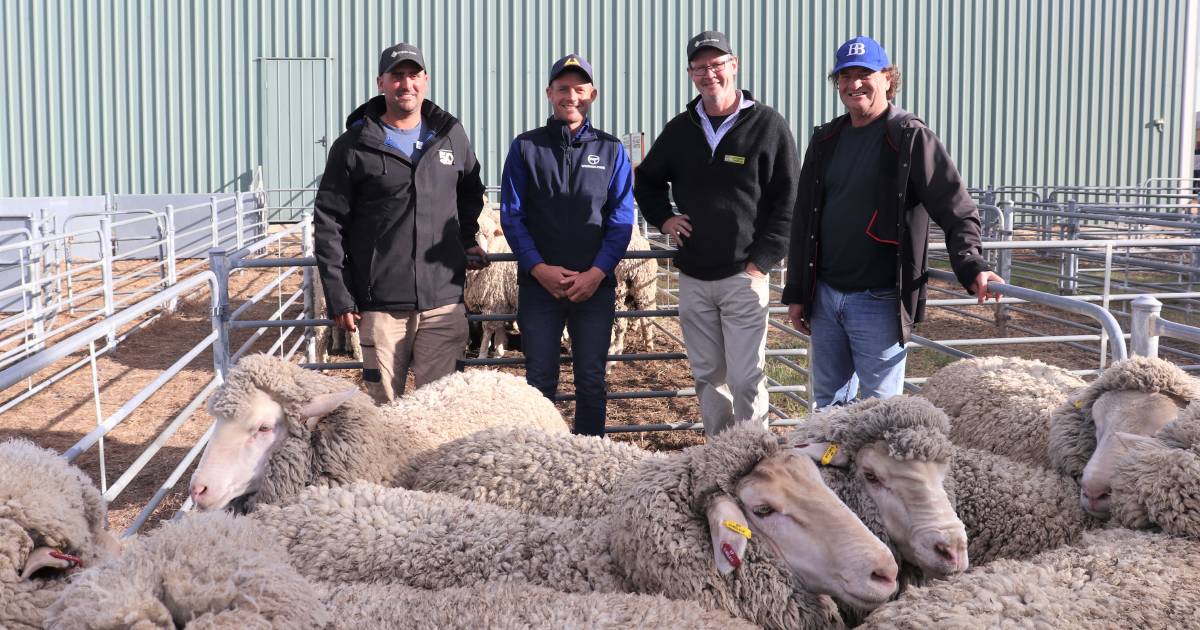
column 896, row 117
column 437, row 120
column 746, row 96
column 562, row 132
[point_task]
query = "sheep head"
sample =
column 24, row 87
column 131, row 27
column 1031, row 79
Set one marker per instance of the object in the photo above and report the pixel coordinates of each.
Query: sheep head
column 1137, row 396
column 1157, row 482
column 266, row 416
column 897, row 455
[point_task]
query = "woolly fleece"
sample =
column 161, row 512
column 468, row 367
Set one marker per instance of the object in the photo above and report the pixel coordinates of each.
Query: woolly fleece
column 208, row 570
column 360, row 441
column 1072, row 431
column 530, row 471
column 44, row 501
column 1110, row 579
column 659, row 535
column 1012, row 509
column 1001, row 404
column 1157, row 483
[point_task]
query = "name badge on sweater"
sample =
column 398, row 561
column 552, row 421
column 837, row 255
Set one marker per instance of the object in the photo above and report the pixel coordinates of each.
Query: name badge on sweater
column 735, row 159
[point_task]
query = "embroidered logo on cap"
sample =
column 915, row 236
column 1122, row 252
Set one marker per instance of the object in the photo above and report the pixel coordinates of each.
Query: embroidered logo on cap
column 857, row 48
column 571, row 61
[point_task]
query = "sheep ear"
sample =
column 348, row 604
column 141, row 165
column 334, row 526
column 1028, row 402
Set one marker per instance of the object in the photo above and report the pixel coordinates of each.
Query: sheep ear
column 1131, row 440
column 825, row 453
column 727, row 526
column 324, row 403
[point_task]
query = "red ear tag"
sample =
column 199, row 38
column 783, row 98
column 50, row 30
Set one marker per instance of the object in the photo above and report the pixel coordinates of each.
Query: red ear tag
column 731, row 555
column 801, row 446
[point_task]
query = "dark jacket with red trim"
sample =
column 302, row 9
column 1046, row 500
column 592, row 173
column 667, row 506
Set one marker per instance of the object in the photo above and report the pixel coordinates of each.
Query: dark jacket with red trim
column 919, row 183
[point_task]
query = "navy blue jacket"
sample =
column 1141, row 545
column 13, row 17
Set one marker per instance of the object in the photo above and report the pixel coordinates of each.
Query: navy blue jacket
column 567, row 201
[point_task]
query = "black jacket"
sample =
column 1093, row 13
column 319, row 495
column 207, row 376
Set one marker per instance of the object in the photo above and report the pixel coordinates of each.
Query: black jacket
column 739, row 198
column 919, row 182
column 391, row 236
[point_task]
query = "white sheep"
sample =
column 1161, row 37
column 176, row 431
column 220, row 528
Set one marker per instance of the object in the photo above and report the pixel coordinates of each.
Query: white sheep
column 656, row 542
column 493, row 289
column 52, row 521
column 280, row 428
column 1109, row 579
column 214, row 570
column 1157, row 482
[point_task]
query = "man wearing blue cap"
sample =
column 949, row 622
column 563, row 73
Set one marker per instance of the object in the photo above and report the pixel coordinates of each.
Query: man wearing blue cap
column 730, row 164
column 566, row 206
column 857, row 263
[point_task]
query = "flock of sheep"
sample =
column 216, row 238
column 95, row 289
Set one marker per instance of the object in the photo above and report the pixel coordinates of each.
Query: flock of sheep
column 1009, row 492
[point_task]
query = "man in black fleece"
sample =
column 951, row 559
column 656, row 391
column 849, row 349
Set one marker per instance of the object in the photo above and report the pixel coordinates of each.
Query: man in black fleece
column 731, row 165
column 396, row 215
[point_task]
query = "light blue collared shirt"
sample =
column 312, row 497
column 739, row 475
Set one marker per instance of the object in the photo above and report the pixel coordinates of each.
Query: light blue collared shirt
column 714, row 136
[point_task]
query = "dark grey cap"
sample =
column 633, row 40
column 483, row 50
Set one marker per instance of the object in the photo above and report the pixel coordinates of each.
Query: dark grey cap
column 393, row 55
column 708, row 39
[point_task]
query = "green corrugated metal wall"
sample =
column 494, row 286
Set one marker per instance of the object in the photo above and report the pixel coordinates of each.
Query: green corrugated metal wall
column 134, row 96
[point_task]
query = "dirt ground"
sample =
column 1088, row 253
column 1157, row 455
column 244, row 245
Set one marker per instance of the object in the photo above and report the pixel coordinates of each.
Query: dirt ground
column 60, row 416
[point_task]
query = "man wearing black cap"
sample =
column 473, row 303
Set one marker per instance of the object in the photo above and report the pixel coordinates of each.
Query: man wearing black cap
column 566, row 206
column 872, row 179
column 396, row 216
column 730, row 163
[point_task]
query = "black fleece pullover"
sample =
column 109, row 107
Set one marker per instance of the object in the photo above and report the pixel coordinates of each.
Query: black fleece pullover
column 739, row 198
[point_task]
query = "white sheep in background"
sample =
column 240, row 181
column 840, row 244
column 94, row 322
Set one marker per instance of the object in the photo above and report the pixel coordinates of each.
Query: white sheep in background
column 280, row 427
column 657, row 541
column 52, row 520
column 493, row 289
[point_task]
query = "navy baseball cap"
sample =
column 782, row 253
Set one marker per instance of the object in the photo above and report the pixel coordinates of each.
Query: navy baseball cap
column 708, row 39
column 394, row 55
column 861, row 51
column 570, row 62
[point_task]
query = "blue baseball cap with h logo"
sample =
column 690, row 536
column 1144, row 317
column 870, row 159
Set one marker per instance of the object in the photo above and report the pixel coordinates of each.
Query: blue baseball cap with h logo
column 861, row 51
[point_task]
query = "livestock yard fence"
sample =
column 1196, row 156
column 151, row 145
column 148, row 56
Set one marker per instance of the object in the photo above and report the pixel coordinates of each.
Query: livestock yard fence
column 1084, row 266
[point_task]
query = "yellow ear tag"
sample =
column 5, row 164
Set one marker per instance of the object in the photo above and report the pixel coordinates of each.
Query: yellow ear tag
column 828, row 455
column 737, row 528
column 1079, row 404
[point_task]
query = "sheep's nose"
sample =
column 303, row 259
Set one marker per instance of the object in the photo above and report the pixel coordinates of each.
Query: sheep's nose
column 885, row 574
column 1097, row 495
column 197, row 491
column 953, row 555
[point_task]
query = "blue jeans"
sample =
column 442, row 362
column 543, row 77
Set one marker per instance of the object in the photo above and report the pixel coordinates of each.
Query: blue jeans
column 541, row 318
column 856, row 350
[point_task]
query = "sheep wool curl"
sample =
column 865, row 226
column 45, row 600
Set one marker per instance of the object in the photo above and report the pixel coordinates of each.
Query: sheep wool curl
column 1072, row 430
column 1111, row 579
column 1013, row 509
column 44, row 502
column 530, row 471
column 659, row 519
column 1157, row 483
column 1001, row 404
column 207, row 570
column 514, row 606
column 360, row 441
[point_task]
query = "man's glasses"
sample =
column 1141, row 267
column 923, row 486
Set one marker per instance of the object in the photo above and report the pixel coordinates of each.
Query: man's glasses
column 716, row 67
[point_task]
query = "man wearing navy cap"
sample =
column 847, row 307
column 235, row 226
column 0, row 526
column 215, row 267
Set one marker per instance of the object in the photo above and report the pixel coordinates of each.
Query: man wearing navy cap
column 566, row 206
column 871, row 181
column 396, row 215
column 730, row 163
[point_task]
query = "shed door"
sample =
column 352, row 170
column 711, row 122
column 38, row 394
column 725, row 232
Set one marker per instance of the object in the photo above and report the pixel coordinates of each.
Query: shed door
column 294, row 132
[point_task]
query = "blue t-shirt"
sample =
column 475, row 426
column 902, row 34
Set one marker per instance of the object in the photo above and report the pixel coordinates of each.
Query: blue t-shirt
column 407, row 141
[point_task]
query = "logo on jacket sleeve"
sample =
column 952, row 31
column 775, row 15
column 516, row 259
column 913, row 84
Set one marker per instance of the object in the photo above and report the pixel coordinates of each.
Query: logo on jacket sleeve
column 446, row 157
column 593, row 161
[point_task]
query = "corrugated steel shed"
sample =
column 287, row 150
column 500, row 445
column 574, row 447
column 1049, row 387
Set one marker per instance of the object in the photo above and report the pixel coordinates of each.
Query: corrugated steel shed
column 142, row 96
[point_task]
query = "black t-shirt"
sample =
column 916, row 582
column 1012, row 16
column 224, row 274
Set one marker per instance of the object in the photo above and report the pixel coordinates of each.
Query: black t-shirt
column 716, row 121
column 851, row 259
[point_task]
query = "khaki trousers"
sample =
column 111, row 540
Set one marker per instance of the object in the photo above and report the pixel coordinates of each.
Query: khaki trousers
column 427, row 341
column 724, row 326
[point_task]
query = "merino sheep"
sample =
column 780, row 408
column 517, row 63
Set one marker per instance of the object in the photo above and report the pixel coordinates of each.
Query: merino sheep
column 216, row 571
column 655, row 542
column 1157, row 482
column 52, row 520
column 889, row 460
column 1001, row 404
column 637, row 290
column 1110, row 579
column 493, row 289
column 280, row 428
column 1137, row 396
column 1013, row 509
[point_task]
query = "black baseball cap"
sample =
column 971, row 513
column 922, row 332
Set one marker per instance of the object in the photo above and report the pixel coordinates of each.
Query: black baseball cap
column 393, row 55
column 708, row 39
column 570, row 62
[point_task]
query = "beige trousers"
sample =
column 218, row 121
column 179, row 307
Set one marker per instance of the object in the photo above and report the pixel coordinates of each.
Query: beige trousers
column 427, row 341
